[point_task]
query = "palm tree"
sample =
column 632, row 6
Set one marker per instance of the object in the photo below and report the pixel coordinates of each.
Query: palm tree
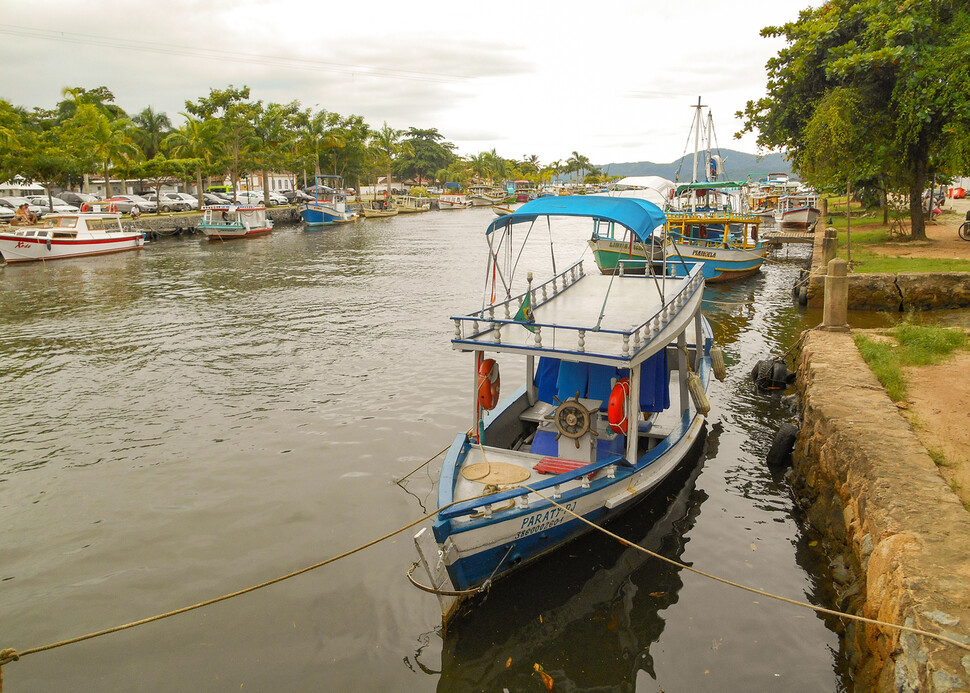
column 197, row 139
column 387, row 142
column 110, row 143
column 151, row 129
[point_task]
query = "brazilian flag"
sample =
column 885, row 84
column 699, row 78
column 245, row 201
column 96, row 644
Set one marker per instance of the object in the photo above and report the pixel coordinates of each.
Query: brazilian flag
column 524, row 315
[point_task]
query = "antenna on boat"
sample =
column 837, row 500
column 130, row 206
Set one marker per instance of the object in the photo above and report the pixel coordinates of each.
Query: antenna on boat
column 697, row 143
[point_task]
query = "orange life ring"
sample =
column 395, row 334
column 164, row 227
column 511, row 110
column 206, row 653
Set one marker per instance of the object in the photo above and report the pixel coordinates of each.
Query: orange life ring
column 112, row 208
column 488, row 384
column 85, row 207
column 616, row 410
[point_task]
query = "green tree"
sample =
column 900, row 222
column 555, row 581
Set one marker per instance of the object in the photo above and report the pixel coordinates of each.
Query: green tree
column 197, row 140
column 97, row 142
column 427, row 154
column 386, row 143
column 272, row 128
column 150, row 129
column 236, row 113
column 871, row 88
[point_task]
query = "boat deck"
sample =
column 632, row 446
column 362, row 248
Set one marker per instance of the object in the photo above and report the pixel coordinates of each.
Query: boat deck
column 608, row 316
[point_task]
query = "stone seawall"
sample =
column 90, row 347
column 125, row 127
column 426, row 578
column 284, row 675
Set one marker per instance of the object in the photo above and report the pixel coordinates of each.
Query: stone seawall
column 900, row 536
column 893, row 292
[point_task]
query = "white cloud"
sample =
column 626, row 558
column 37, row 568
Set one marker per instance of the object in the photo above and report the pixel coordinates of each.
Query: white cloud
column 614, row 81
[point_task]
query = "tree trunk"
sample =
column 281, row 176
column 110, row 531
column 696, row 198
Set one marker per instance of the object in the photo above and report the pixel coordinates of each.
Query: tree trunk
column 198, row 187
column 916, row 217
column 107, row 183
column 265, row 187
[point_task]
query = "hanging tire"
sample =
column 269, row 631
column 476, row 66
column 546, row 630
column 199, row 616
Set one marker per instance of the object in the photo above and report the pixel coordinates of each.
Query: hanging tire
column 779, row 454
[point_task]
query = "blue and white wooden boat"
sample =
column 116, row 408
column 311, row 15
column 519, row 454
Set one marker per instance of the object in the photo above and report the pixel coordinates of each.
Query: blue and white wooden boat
column 329, row 204
column 615, row 373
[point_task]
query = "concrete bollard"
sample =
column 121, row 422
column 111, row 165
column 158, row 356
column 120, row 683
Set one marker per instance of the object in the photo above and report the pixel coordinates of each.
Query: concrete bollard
column 830, row 244
column 835, row 309
column 823, row 208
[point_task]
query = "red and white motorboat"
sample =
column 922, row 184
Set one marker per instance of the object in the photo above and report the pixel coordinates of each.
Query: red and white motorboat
column 65, row 235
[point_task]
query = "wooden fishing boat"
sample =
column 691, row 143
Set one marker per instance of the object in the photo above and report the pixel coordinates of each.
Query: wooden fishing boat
column 378, row 209
column 64, row 235
column 228, row 221
column 616, row 369
column 406, row 204
column 329, row 203
column 798, row 212
column 726, row 243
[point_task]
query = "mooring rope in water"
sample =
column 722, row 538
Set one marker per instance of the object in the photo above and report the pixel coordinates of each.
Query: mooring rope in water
column 753, row 590
column 9, row 655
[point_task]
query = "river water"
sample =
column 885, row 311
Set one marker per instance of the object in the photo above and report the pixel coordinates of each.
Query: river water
column 200, row 417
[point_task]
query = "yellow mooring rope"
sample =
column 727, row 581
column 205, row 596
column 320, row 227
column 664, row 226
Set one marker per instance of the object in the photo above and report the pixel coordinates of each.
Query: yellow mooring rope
column 11, row 655
column 794, row 602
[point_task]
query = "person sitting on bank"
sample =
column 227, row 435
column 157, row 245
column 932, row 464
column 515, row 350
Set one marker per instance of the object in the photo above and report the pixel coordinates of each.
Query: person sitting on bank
column 25, row 215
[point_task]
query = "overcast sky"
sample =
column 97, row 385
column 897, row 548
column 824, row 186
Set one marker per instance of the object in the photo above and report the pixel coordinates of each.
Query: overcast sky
column 613, row 81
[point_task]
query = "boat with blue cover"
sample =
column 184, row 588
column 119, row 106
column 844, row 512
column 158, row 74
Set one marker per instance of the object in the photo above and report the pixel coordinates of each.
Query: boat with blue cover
column 614, row 375
column 329, row 203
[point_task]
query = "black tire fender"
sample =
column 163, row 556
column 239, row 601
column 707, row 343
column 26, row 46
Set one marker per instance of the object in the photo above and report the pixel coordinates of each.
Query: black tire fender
column 781, row 447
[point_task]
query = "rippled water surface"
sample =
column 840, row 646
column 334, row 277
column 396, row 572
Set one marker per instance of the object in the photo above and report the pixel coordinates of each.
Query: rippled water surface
column 199, row 417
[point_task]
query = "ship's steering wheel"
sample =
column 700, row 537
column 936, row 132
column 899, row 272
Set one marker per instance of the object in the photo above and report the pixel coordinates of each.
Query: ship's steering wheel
column 572, row 419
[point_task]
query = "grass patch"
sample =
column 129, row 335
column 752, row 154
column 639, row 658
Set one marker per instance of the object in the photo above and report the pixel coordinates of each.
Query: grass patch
column 939, row 459
column 915, row 345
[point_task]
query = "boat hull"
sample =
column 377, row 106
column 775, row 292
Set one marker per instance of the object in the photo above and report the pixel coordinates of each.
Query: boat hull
column 719, row 264
column 799, row 219
column 609, row 253
column 21, row 249
column 223, row 234
column 323, row 215
column 476, row 554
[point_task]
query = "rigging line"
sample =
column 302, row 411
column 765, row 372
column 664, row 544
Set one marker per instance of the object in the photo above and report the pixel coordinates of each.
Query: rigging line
column 552, row 250
column 762, row 593
column 8, row 655
column 522, row 246
column 212, row 54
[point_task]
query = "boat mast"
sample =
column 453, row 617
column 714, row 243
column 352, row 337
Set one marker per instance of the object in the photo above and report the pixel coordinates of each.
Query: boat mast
column 697, row 144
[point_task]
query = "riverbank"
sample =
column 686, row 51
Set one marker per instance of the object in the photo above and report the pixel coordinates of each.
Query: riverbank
column 898, row 534
column 905, row 291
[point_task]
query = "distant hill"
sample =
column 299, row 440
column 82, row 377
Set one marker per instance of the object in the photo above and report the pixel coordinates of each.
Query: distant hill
column 737, row 166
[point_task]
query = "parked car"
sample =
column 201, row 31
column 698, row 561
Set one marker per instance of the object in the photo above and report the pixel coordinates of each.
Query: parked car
column 213, row 199
column 191, row 200
column 6, row 214
column 59, row 205
column 168, row 202
column 125, row 203
column 249, row 197
column 77, row 198
column 295, row 197
column 276, row 198
column 15, row 202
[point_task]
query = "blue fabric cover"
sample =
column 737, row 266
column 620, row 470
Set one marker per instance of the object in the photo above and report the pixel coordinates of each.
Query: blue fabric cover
column 573, row 378
column 546, row 375
column 640, row 216
column 600, row 383
column 655, row 383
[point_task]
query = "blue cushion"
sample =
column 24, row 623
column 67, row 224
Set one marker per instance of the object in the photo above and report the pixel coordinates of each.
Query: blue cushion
column 545, row 443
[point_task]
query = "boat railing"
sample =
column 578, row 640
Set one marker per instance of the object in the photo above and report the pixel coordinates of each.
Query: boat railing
column 675, row 217
column 469, row 329
column 520, row 493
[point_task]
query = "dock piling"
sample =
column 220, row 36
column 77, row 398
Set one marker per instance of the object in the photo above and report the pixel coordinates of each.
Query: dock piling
column 836, row 298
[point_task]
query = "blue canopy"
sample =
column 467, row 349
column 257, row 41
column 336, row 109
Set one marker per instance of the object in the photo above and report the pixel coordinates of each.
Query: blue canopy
column 640, row 216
